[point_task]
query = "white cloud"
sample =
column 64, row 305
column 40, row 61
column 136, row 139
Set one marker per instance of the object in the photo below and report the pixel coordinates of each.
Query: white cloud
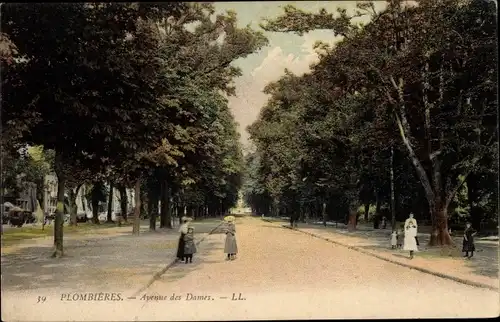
column 250, row 98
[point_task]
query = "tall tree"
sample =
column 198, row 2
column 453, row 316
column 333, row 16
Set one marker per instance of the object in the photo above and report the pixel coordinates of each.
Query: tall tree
column 411, row 71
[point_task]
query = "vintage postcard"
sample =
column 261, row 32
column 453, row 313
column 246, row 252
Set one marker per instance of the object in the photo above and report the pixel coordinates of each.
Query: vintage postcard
column 197, row 161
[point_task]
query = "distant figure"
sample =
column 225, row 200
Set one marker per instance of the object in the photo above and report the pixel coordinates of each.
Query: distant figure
column 183, row 229
column 401, row 236
column 230, row 248
column 410, row 240
column 468, row 241
column 394, row 239
column 189, row 245
column 384, row 222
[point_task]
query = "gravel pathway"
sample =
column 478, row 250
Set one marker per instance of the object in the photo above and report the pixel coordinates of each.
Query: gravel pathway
column 483, row 268
column 285, row 274
column 279, row 274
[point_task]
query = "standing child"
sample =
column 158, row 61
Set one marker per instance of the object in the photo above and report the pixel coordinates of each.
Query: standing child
column 468, row 241
column 394, row 239
column 189, row 245
column 401, row 236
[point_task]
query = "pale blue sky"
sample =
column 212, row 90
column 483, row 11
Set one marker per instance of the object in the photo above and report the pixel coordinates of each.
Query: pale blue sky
column 285, row 50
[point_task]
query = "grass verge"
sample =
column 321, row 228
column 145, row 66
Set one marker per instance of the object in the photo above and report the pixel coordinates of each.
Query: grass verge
column 16, row 235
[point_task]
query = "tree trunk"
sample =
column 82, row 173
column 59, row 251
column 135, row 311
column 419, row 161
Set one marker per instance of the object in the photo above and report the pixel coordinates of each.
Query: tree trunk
column 378, row 204
column 439, row 234
column 323, row 213
column 351, row 224
column 367, row 211
column 73, row 209
column 59, row 220
column 393, row 204
column 152, row 217
column 95, row 211
column 153, row 210
column 472, row 198
column 353, row 214
column 163, row 218
column 180, row 211
column 137, row 210
column 123, row 201
column 142, row 209
column 110, row 203
column 173, row 209
column 437, row 198
column 153, row 201
column 166, row 216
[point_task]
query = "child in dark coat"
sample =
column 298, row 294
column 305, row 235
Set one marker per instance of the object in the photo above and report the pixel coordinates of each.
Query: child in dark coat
column 400, row 238
column 468, row 241
column 189, row 245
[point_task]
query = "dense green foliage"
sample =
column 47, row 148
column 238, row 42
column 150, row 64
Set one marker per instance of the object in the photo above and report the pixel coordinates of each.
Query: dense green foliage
column 129, row 92
column 420, row 79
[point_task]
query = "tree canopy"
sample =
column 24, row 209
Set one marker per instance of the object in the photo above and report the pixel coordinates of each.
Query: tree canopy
column 128, row 91
column 419, row 79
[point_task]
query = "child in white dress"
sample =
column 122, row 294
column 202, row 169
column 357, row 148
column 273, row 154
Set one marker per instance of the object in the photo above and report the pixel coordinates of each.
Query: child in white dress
column 394, row 239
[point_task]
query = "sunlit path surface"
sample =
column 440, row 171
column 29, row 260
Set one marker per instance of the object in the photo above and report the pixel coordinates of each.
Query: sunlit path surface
column 280, row 274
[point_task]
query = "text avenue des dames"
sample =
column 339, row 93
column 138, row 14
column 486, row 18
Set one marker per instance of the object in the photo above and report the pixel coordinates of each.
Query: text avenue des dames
column 100, row 297
column 189, row 297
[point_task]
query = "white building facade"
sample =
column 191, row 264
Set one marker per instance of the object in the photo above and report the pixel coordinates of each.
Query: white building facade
column 84, row 205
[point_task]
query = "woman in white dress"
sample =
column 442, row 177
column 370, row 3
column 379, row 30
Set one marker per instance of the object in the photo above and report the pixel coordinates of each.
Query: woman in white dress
column 410, row 240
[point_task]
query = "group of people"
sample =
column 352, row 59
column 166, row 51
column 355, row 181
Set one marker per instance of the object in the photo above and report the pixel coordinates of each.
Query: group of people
column 187, row 245
column 408, row 239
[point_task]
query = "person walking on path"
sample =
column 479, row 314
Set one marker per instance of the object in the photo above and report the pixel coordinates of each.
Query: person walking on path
column 183, row 230
column 410, row 240
column 230, row 248
column 468, row 241
column 189, row 245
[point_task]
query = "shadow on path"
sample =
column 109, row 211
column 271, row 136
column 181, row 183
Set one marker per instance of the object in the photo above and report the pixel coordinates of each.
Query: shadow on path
column 204, row 256
column 119, row 262
column 484, row 262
